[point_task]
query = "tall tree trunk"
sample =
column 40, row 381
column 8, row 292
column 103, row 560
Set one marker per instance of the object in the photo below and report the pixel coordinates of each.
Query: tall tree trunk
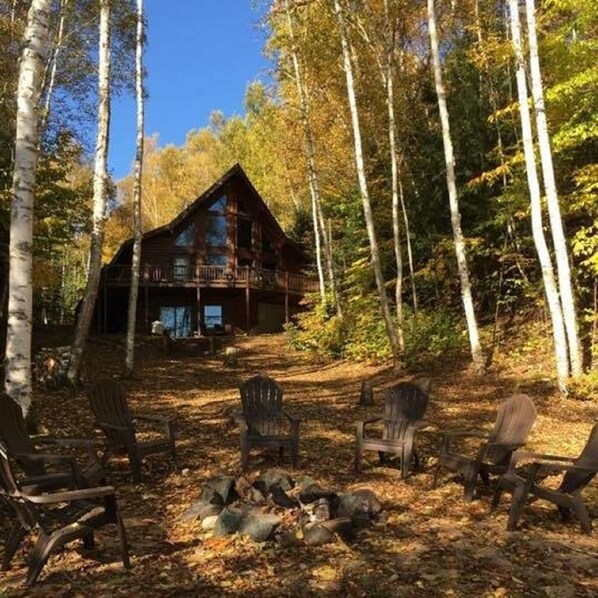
column 20, row 297
column 552, row 200
column 552, row 296
column 136, row 259
column 363, row 187
column 100, row 179
column 53, row 64
column 312, row 174
column 409, row 249
column 396, row 228
column 472, row 326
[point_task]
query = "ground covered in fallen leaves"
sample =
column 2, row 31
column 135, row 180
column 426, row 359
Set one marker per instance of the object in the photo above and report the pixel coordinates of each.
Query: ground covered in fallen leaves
column 428, row 542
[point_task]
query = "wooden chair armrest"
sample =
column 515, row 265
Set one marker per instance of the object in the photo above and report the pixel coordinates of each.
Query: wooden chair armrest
column 421, row 424
column 532, row 456
column 67, row 442
column 291, row 416
column 113, row 427
column 159, row 419
column 467, row 434
column 551, row 465
column 70, row 495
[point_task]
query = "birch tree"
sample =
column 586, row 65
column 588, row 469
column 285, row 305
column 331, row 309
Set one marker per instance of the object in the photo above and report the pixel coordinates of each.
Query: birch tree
column 319, row 230
column 136, row 259
column 100, row 179
column 363, row 185
column 552, row 200
column 459, row 240
column 552, row 296
column 20, row 297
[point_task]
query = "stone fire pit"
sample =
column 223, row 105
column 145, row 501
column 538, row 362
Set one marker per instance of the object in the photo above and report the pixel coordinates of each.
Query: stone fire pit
column 273, row 506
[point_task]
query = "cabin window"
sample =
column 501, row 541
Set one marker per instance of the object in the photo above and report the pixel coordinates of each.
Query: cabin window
column 219, row 205
column 245, row 261
column 216, row 230
column 244, row 233
column 180, row 268
column 186, row 238
column 213, row 318
column 216, row 259
column 176, row 320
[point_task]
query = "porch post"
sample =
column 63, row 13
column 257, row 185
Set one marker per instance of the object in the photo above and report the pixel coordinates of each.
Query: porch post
column 198, row 308
column 146, row 306
column 105, row 303
column 286, row 297
column 247, row 306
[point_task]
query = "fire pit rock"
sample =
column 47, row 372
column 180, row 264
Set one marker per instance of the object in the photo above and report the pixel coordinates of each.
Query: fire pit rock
column 275, row 507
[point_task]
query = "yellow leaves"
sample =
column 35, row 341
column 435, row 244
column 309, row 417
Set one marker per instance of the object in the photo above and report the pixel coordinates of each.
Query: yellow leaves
column 325, row 573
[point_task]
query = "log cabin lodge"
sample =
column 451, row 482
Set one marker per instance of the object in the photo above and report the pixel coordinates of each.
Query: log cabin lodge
column 223, row 263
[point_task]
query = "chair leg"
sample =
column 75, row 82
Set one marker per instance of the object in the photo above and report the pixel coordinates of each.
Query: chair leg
column 13, row 542
column 43, row 548
column 469, row 485
column 173, row 457
column 582, row 513
column 405, row 460
column 358, row 454
column 89, row 542
column 496, row 498
column 295, row 454
column 281, row 452
column 124, row 545
column 135, row 468
column 520, row 495
column 436, row 475
column 485, row 477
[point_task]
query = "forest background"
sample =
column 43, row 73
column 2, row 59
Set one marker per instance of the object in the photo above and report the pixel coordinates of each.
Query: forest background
column 388, row 39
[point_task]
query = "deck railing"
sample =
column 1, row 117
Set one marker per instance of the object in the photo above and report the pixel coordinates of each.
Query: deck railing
column 220, row 276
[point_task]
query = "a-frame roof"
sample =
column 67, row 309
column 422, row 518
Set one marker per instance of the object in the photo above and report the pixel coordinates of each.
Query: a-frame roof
column 205, row 198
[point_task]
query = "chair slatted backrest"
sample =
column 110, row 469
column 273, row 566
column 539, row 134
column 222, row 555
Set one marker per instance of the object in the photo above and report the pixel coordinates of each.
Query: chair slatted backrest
column 575, row 480
column 405, row 404
column 514, row 420
column 11, row 492
column 262, row 405
column 109, row 405
column 13, row 432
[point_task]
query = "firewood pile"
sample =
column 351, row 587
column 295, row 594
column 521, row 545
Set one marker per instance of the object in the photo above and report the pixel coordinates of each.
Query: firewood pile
column 275, row 507
column 50, row 366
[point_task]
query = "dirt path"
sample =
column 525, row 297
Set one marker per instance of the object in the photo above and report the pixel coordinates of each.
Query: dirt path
column 430, row 542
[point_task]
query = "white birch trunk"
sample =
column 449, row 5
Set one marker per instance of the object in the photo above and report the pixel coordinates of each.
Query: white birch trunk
column 472, row 327
column 136, row 259
column 552, row 200
column 100, row 178
column 552, row 296
column 20, row 297
column 396, row 229
column 409, row 248
column 53, row 69
column 363, row 187
column 319, row 230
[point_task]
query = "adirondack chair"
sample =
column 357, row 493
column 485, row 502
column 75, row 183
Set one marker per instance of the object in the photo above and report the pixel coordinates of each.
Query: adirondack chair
column 263, row 422
column 514, row 420
column 578, row 473
column 404, row 407
column 109, row 405
column 37, row 465
column 55, row 518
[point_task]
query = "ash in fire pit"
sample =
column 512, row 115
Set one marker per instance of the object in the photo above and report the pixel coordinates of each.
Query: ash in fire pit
column 273, row 506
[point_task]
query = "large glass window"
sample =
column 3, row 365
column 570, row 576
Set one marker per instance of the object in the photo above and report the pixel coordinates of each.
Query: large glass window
column 219, row 205
column 177, row 320
column 180, row 268
column 186, row 238
column 213, row 318
column 216, row 230
column 216, row 259
column 244, row 233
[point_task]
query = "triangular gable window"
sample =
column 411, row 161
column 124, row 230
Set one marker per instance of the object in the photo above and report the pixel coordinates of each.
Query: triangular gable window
column 186, row 238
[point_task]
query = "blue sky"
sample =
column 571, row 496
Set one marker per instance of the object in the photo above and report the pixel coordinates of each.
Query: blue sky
column 200, row 56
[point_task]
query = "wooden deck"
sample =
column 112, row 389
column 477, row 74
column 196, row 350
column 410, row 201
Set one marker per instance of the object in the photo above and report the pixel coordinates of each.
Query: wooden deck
column 212, row 277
